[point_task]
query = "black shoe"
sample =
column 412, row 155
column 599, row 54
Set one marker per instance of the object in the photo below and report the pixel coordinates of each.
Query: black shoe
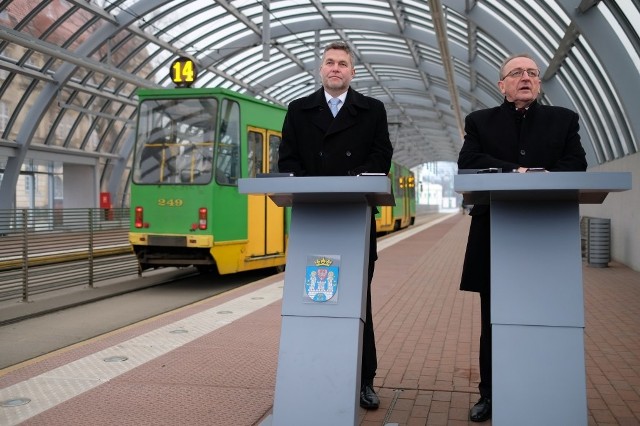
column 481, row 411
column 368, row 397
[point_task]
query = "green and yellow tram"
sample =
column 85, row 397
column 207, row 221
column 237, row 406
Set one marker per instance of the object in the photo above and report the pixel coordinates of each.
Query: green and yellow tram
column 403, row 213
column 192, row 146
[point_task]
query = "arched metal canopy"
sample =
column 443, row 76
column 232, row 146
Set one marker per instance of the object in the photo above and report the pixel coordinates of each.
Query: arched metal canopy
column 69, row 68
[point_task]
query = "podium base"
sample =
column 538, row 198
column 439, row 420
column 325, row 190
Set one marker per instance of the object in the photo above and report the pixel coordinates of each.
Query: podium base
column 542, row 372
column 318, row 378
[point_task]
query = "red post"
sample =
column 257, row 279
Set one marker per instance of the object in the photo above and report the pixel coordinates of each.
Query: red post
column 105, row 203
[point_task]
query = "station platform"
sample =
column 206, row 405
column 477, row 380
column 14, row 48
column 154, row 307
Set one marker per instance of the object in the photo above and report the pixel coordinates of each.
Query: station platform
column 214, row 362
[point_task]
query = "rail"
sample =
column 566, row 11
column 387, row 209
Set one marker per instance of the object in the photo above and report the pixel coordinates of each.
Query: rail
column 44, row 250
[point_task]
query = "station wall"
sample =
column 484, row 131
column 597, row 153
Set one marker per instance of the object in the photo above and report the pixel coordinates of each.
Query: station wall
column 623, row 210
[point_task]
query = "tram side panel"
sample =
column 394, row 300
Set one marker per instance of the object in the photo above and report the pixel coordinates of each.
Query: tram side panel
column 402, row 214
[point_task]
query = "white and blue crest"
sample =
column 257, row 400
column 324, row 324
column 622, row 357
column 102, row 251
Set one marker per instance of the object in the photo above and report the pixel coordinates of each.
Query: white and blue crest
column 321, row 281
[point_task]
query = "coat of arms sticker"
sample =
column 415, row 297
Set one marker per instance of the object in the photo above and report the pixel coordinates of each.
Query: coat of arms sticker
column 321, row 281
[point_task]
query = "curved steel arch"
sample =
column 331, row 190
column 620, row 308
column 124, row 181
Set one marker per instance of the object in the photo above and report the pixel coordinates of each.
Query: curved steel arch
column 429, row 61
column 378, row 59
column 598, row 35
column 48, row 94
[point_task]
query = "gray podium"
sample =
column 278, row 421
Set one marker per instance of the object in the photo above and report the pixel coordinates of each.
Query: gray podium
column 324, row 300
column 537, row 306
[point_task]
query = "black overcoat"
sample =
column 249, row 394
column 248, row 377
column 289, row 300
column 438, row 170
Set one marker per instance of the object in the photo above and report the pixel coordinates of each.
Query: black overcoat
column 316, row 144
column 546, row 136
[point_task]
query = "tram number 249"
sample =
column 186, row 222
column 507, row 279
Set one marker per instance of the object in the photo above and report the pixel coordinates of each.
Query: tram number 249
column 170, row 202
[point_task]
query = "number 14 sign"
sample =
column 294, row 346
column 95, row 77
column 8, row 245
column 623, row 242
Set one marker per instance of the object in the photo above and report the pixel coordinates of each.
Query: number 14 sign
column 183, row 72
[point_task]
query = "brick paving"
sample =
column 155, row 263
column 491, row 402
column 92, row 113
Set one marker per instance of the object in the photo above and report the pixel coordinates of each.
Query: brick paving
column 427, row 335
column 427, row 332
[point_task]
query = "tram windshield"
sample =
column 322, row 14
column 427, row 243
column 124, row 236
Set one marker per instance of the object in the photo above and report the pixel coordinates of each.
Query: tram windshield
column 174, row 141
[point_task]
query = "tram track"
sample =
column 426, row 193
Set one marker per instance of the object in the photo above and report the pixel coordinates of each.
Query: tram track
column 44, row 303
column 81, row 315
column 74, row 315
column 45, row 298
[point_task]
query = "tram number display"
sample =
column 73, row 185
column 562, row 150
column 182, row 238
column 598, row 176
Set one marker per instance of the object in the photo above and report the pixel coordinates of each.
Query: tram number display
column 183, row 72
column 170, row 202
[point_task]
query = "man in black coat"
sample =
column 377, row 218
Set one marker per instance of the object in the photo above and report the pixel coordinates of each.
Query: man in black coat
column 314, row 143
column 518, row 135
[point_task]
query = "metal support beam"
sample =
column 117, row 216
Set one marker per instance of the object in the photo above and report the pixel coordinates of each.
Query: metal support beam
column 78, row 58
column 266, row 31
column 437, row 15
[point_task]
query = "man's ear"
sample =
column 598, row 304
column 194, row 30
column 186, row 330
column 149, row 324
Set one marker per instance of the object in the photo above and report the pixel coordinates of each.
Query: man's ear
column 501, row 86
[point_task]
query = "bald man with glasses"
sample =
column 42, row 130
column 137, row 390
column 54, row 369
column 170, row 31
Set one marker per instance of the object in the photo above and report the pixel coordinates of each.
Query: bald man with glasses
column 517, row 136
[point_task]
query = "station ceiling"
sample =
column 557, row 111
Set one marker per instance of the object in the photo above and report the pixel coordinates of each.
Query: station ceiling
column 69, row 69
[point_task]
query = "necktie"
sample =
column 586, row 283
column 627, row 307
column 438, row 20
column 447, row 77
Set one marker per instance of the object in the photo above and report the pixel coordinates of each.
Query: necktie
column 333, row 106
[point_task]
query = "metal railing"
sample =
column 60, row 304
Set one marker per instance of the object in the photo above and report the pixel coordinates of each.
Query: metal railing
column 43, row 250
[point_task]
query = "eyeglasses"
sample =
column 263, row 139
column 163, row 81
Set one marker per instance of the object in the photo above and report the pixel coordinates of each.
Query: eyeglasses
column 519, row 72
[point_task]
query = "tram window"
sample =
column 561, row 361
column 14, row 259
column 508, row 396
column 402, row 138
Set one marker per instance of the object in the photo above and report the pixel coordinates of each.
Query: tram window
column 227, row 155
column 175, row 141
column 155, row 165
column 274, row 144
column 196, row 161
column 195, row 156
column 254, row 154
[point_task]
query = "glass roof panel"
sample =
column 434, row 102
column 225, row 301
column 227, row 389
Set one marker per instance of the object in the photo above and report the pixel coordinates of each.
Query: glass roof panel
column 632, row 14
column 101, row 51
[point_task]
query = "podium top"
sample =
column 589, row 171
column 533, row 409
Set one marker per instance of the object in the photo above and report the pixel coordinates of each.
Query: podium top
column 584, row 187
column 284, row 191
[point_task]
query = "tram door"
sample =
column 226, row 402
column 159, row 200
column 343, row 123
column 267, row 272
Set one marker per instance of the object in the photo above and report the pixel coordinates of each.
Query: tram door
column 266, row 220
column 386, row 212
column 406, row 200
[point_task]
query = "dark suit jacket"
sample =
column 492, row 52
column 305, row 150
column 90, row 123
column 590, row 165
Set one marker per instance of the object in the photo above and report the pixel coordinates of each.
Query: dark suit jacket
column 547, row 136
column 314, row 143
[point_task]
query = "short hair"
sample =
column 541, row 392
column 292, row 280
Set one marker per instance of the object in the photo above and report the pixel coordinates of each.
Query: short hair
column 340, row 45
column 509, row 58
